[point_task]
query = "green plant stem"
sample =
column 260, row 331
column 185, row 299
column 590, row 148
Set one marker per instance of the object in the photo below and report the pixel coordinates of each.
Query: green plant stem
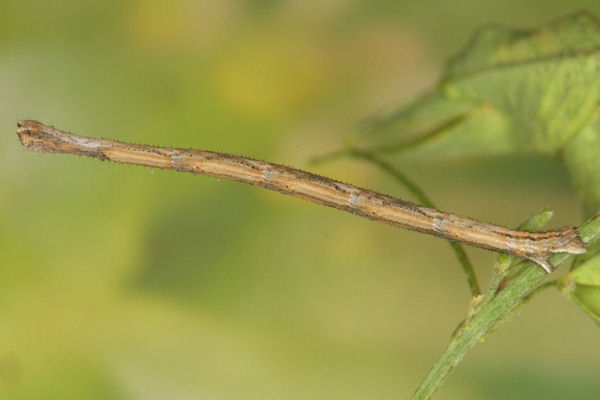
column 476, row 328
column 490, row 312
column 422, row 198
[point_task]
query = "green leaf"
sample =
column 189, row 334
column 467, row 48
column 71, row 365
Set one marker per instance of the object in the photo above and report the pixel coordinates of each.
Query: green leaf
column 536, row 221
column 509, row 91
column 588, row 299
column 546, row 81
column 582, row 158
column 496, row 47
column 584, row 284
column 588, row 273
column 451, row 137
column 420, row 115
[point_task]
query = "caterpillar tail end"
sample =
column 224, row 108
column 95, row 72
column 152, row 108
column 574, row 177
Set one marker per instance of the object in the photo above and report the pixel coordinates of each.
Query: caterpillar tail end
column 564, row 240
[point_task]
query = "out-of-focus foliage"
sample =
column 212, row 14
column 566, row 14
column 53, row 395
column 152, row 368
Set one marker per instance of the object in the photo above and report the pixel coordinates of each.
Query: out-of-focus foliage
column 511, row 91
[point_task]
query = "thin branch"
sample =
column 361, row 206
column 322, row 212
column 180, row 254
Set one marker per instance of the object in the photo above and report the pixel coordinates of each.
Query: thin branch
column 537, row 247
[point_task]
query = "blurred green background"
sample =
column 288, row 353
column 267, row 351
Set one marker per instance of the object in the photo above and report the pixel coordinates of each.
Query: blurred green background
column 120, row 282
